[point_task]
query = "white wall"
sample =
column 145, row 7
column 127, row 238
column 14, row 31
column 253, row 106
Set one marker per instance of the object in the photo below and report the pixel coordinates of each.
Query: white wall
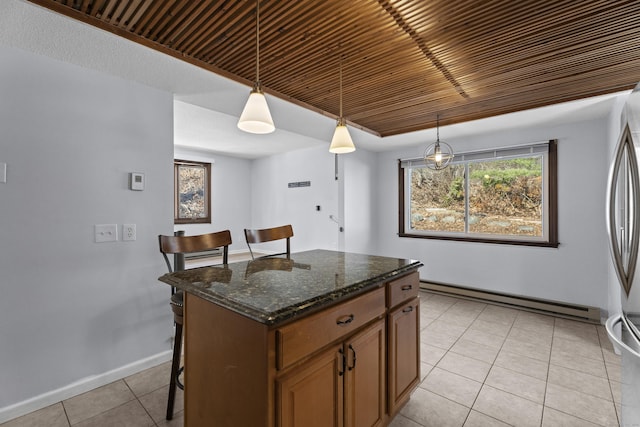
column 230, row 196
column 576, row 272
column 273, row 203
column 72, row 309
column 360, row 196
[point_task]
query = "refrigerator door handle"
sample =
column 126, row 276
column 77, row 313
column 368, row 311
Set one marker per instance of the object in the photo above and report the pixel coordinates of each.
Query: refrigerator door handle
column 617, row 342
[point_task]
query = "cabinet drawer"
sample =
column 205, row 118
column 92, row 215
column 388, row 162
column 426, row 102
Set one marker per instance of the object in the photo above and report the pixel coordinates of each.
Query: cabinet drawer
column 402, row 289
column 304, row 337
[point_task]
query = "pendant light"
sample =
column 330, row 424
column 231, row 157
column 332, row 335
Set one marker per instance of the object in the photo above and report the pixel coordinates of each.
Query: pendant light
column 255, row 117
column 438, row 155
column 341, row 142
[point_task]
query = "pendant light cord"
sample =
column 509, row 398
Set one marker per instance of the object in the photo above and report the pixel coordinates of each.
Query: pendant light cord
column 340, row 87
column 258, row 42
column 438, row 127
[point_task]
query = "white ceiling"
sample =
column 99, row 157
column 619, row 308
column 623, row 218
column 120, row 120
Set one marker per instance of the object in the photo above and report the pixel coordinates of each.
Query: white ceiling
column 207, row 105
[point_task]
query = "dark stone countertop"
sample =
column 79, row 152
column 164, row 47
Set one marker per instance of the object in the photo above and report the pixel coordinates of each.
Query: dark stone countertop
column 274, row 289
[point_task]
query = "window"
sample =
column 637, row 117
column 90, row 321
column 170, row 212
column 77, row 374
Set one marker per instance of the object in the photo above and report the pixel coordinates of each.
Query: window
column 505, row 195
column 192, row 192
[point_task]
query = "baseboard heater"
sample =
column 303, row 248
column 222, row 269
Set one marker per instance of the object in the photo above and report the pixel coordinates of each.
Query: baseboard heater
column 553, row 308
column 205, row 254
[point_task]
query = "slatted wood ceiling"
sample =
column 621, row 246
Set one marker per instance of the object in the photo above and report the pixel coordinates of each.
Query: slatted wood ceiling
column 403, row 61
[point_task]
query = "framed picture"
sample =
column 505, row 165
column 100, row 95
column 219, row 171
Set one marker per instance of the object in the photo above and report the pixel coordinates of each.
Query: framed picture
column 192, row 192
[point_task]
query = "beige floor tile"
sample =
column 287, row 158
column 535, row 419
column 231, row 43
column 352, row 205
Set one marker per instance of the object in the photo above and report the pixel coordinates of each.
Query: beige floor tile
column 155, row 403
column 616, row 392
column 578, row 347
column 590, row 408
column 610, row 357
column 177, row 421
column 443, row 326
column 437, row 338
column 425, row 368
column 522, row 364
column 534, row 322
column 497, row 314
column 542, row 338
column 529, row 349
column 508, row 407
column 51, row 416
column 475, row 350
column 484, row 338
column 554, row 418
column 578, row 363
column 494, row 328
column 94, row 402
column 573, row 330
column 579, row 381
column 513, row 382
column 452, row 386
column 131, row 414
column 431, row 354
column 150, row 379
column 402, row 421
column 614, row 371
column 462, row 320
column 431, row 410
column 467, row 306
column 476, row 419
column 465, row 366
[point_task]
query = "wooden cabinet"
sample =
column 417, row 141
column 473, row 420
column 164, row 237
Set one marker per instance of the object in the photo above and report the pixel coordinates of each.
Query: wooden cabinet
column 404, row 353
column 353, row 364
column 343, row 386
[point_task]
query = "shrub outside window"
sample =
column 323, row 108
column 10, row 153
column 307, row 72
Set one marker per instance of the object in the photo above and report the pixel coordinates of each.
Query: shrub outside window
column 192, row 192
column 506, row 195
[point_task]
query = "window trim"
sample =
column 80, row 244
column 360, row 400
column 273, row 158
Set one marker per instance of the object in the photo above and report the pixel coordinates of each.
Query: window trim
column 176, row 196
column 552, row 209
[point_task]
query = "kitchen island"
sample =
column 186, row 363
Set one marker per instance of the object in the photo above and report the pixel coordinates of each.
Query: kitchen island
column 323, row 338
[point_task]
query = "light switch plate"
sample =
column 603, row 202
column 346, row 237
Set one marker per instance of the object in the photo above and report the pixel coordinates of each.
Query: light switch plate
column 3, row 172
column 106, row 232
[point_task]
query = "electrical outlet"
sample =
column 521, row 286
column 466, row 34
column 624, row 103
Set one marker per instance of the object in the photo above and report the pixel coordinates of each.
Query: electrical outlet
column 106, row 233
column 128, row 232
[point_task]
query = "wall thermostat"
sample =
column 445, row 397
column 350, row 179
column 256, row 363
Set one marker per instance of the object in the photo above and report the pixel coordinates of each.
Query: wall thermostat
column 136, row 181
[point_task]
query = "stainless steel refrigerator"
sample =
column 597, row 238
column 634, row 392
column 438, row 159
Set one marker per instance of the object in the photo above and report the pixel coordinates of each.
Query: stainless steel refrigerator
column 623, row 223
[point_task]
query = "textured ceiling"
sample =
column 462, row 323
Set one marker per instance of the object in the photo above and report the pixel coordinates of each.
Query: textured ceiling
column 404, row 62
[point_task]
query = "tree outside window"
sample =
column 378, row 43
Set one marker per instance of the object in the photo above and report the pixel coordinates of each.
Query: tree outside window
column 192, row 195
column 500, row 196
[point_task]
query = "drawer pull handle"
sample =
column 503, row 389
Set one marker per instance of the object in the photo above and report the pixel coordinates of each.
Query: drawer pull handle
column 407, row 309
column 345, row 321
column 406, row 287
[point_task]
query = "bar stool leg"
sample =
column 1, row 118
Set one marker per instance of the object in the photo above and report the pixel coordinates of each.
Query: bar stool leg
column 175, row 367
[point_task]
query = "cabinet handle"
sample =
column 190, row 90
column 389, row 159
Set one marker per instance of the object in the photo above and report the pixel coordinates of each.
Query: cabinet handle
column 341, row 363
column 354, row 357
column 406, row 287
column 345, row 320
column 408, row 309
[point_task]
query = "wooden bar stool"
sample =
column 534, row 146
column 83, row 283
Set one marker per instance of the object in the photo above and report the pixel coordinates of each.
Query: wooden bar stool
column 178, row 245
column 268, row 235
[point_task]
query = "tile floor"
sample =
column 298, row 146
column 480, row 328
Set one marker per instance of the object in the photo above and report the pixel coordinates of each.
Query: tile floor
column 482, row 365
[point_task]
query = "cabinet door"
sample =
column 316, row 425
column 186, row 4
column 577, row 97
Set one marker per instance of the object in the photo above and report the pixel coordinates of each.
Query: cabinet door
column 404, row 353
column 312, row 395
column 365, row 377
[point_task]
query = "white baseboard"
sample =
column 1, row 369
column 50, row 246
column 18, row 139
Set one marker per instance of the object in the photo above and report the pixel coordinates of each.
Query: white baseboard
column 88, row 383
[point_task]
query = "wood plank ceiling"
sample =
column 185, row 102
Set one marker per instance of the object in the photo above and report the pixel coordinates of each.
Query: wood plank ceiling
column 404, row 62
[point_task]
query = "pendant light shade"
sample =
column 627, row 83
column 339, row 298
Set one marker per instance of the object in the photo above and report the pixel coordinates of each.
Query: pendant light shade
column 256, row 117
column 341, row 142
column 438, row 155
